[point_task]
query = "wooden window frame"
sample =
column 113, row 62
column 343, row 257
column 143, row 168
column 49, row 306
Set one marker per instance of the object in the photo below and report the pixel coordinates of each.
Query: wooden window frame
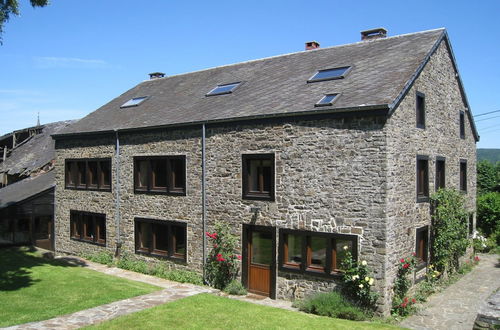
column 462, row 124
column 440, row 177
column 422, row 191
column 71, row 174
column 419, row 249
column 168, row 227
column 78, row 222
column 463, row 176
column 170, row 189
column 246, row 193
column 331, row 268
column 420, row 109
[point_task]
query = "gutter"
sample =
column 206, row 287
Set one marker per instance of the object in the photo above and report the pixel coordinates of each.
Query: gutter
column 117, row 195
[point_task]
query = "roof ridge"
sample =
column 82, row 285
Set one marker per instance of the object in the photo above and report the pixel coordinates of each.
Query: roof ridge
column 295, row 53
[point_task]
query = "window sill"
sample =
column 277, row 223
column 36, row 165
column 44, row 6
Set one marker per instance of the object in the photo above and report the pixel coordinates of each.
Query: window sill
column 88, row 241
column 160, row 255
column 159, row 192
column 422, row 199
column 310, row 272
column 260, row 197
column 108, row 189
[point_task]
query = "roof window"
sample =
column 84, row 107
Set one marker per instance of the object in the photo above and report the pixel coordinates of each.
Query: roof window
column 330, row 74
column 326, row 100
column 223, row 89
column 134, row 102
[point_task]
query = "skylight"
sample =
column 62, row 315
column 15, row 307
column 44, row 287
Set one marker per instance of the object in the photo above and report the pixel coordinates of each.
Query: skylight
column 223, row 89
column 326, row 100
column 134, row 102
column 329, row 74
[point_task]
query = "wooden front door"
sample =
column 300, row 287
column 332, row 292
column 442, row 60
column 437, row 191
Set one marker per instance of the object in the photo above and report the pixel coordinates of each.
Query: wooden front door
column 43, row 232
column 260, row 260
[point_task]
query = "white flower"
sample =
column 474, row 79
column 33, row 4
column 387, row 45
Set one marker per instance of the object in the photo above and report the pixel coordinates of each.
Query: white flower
column 355, row 277
column 367, row 279
column 364, row 263
column 345, row 247
column 361, row 286
column 371, row 281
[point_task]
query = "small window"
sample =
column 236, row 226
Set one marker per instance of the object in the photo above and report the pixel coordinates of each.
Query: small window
column 422, row 179
column 422, row 239
column 326, row 100
column 160, row 238
column 462, row 125
column 134, row 102
column 223, row 89
column 88, row 227
column 471, row 224
column 160, row 174
column 420, row 109
column 330, row 74
column 440, row 173
column 315, row 253
column 258, row 176
column 88, row 174
column 463, row 176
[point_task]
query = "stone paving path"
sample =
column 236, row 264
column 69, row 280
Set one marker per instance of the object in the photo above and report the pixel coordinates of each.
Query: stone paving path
column 456, row 307
column 171, row 291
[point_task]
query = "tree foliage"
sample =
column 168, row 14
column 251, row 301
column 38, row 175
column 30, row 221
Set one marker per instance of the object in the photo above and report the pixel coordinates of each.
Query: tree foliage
column 11, row 7
column 449, row 229
column 488, row 213
column 486, row 176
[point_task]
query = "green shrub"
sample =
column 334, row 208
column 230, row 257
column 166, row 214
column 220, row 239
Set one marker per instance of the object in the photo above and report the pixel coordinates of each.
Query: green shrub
column 488, row 213
column 105, row 258
column 332, row 304
column 184, row 276
column 128, row 263
column 357, row 284
column 235, row 288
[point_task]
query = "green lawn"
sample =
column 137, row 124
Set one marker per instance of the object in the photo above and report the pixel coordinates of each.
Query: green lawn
column 205, row 311
column 33, row 288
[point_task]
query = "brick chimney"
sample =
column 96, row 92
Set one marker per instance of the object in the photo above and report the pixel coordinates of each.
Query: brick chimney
column 312, row 45
column 373, row 34
column 156, row 75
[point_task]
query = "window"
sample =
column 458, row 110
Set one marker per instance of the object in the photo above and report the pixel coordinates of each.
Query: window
column 330, row 74
column 420, row 110
column 440, row 173
column 462, row 125
column 88, row 174
column 422, row 179
column 471, row 224
column 463, row 175
column 160, row 238
column 326, row 100
column 258, row 176
column 313, row 252
column 134, row 102
column 223, row 89
column 160, row 174
column 422, row 239
column 88, row 227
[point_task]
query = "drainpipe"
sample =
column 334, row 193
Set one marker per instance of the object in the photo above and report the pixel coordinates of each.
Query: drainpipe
column 203, row 198
column 117, row 195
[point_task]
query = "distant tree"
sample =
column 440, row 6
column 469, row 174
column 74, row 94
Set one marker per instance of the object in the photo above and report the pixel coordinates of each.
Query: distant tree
column 11, row 7
column 487, row 176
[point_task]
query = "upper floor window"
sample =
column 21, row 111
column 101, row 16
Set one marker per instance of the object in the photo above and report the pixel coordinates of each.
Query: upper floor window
column 313, row 252
column 258, row 176
column 422, row 244
column 422, row 178
column 463, row 175
column 440, row 173
column 223, row 89
column 160, row 174
column 88, row 227
column 462, row 125
column 330, row 74
column 420, row 109
column 160, row 238
column 88, row 174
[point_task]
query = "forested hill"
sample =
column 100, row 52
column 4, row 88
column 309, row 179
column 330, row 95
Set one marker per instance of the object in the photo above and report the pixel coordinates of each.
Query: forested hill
column 493, row 155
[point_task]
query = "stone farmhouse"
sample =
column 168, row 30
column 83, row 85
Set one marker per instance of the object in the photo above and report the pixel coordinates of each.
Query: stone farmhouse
column 302, row 154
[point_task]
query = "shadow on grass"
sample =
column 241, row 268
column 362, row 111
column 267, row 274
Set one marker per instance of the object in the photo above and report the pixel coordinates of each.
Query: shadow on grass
column 15, row 265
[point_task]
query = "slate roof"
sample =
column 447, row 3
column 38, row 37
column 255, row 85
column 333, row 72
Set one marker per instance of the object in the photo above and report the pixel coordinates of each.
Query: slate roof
column 22, row 190
column 35, row 153
column 274, row 86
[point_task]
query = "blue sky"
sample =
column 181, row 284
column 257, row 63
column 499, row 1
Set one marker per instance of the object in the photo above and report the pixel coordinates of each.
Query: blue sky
column 69, row 58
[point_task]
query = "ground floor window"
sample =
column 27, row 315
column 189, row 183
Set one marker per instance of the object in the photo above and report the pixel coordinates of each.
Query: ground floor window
column 160, row 238
column 88, row 227
column 313, row 252
column 422, row 244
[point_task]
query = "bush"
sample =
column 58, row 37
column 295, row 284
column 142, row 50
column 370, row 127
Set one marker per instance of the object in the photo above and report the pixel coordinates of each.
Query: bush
column 357, row 284
column 128, row 263
column 235, row 288
column 488, row 213
column 332, row 304
column 104, row 258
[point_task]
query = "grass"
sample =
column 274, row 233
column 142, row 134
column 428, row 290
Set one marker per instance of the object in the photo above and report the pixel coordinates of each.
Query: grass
column 33, row 288
column 205, row 311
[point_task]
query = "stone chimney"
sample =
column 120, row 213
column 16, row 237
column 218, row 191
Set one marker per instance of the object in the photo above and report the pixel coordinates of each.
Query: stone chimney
column 373, row 34
column 156, row 75
column 312, row 45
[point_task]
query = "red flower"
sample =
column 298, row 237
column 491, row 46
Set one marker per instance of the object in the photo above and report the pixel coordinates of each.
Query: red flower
column 219, row 255
column 403, row 305
column 406, row 299
column 413, row 300
column 239, row 257
column 402, row 260
column 405, row 266
column 215, row 246
column 414, row 254
column 476, row 258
